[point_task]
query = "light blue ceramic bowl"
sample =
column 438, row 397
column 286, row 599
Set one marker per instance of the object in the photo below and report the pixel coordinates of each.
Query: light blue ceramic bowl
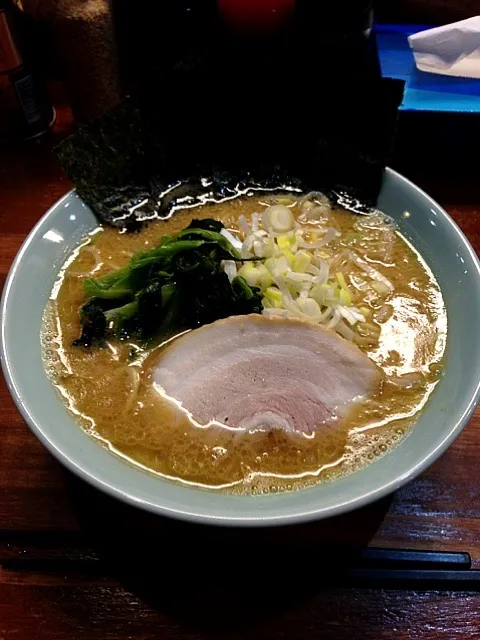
column 26, row 293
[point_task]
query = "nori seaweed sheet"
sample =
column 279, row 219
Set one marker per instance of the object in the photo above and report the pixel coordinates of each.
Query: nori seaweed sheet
column 106, row 161
column 256, row 113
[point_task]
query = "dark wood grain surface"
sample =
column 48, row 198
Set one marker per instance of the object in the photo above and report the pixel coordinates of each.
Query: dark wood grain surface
column 76, row 564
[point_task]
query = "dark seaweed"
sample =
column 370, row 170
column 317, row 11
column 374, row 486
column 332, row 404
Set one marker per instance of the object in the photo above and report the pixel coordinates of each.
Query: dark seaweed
column 345, row 151
column 215, row 115
column 94, row 324
column 106, row 161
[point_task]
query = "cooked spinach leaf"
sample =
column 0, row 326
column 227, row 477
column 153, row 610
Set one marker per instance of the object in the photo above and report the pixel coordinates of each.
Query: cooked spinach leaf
column 179, row 284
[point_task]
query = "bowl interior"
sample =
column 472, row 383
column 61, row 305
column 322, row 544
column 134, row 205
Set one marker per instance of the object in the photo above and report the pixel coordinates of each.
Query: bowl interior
column 26, row 293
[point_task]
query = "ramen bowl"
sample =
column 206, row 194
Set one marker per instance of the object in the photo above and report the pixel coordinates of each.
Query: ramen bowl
column 421, row 220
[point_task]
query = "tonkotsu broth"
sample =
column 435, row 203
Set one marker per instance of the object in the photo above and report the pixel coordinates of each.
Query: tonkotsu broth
column 111, row 394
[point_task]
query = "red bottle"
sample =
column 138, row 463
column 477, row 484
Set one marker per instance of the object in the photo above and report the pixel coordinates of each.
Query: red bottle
column 261, row 16
column 25, row 110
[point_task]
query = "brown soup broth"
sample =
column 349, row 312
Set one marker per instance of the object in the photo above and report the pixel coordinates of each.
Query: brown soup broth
column 112, row 396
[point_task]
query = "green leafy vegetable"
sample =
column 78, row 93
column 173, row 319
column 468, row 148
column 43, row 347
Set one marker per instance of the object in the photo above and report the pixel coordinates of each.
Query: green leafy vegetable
column 211, row 236
column 177, row 285
column 208, row 223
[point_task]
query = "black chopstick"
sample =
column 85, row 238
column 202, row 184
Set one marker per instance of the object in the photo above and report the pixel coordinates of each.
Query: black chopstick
column 411, row 569
column 372, row 567
column 376, row 557
column 411, row 578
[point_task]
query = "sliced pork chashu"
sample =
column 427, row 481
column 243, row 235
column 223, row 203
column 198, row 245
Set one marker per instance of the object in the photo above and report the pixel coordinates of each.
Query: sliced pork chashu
column 252, row 372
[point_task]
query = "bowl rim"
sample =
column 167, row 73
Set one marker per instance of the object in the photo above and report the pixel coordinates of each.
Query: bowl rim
column 81, row 469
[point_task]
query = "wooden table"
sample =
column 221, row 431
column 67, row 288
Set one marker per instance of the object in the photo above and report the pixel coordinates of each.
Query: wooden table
column 76, row 564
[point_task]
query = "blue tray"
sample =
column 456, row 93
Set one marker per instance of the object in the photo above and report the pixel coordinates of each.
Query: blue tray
column 423, row 91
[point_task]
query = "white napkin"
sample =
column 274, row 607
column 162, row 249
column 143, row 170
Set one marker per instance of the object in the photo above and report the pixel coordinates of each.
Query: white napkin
column 452, row 50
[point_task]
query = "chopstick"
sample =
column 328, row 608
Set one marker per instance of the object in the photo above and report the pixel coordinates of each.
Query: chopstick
column 412, row 578
column 412, row 569
column 405, row 558
column 373, row 567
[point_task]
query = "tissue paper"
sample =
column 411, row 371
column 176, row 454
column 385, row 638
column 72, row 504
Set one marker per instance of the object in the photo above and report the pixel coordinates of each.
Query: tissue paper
column 452, row 50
